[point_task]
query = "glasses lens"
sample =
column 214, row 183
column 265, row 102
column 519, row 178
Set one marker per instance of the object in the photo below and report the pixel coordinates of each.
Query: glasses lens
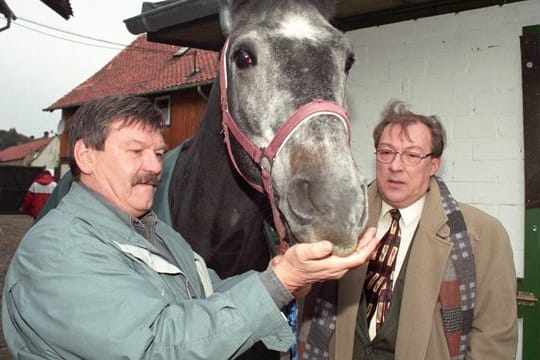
column 385, row 155
column 410, row 158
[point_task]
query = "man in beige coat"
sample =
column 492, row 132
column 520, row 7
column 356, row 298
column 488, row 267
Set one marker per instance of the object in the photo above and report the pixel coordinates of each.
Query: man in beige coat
column 408, row 151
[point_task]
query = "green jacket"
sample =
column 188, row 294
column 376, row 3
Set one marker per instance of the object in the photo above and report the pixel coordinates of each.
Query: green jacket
column 85, row 285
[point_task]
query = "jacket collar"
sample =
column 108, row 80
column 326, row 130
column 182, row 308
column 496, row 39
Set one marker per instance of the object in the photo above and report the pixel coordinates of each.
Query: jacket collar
column 83, row 203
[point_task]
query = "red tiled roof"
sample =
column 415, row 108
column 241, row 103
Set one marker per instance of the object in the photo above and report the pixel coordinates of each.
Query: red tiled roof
column 143, row 67
column 21, row 151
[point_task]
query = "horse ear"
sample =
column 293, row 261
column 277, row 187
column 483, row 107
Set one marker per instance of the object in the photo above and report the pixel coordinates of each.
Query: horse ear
column 226, row 9
column 236, row 5
column 225, row 17
column 326, row 7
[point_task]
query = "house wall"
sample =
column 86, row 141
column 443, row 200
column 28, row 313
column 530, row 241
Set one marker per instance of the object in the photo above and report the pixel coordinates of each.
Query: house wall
column 49, row 156
column 64, row 137
column 187, row 109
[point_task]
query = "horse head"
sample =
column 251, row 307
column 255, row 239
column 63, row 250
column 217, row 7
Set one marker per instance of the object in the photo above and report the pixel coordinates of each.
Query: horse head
column 283, row 89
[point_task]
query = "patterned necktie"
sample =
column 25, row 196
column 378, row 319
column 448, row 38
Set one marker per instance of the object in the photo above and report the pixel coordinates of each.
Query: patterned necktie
column 379, row 277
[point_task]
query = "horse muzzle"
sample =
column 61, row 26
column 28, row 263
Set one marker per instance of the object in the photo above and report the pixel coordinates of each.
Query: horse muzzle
column 329, row 204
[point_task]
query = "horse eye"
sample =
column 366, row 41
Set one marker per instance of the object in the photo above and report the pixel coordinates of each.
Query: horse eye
column 244, row 58
column 349, row 63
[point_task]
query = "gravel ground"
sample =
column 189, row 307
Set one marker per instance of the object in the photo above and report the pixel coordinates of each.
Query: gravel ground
column 12, row 229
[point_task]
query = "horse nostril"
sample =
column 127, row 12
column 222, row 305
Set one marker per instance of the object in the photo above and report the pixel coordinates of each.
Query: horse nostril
column 306, row 199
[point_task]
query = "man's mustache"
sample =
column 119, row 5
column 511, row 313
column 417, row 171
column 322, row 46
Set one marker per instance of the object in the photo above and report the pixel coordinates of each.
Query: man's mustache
column 146, row 179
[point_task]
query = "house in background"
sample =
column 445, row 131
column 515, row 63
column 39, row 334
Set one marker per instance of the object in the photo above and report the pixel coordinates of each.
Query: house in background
column 38, row 153
column 19, row 165
column 178, row 80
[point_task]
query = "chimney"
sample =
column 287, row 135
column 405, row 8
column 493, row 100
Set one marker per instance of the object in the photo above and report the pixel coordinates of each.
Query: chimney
column 45, row 134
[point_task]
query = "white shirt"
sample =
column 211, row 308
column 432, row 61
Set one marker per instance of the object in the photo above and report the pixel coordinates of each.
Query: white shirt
column 410, row 217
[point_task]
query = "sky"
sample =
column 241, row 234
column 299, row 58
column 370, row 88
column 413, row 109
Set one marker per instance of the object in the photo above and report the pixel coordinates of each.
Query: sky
column 38, row 69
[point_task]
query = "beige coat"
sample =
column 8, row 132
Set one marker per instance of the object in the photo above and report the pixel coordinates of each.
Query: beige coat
column 420, row 332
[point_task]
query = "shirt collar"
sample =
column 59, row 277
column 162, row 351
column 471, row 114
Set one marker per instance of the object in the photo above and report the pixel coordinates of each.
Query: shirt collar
column 408, row 214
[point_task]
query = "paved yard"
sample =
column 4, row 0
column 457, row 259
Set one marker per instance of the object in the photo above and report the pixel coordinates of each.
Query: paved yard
column 12, row 229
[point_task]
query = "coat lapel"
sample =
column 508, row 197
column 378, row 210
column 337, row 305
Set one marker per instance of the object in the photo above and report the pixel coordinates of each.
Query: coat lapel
column 430, row 253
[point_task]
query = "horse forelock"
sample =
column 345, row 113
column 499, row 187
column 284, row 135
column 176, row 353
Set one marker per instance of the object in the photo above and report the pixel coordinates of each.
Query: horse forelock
column 260, row 8
column 298, row 26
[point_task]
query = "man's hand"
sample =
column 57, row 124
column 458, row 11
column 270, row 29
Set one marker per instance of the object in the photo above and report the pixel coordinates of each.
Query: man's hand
column 305, row 264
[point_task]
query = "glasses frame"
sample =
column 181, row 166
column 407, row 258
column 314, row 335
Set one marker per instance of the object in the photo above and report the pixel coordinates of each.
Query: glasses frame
column 395, row 153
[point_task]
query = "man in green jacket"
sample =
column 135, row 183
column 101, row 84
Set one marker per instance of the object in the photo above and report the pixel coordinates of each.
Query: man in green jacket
column 100, row 277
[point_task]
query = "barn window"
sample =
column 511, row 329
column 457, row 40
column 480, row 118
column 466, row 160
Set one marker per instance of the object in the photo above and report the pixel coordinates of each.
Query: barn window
column 163, row 103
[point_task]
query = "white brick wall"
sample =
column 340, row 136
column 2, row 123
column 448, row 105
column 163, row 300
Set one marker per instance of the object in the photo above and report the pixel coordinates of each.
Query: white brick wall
column 465, row 68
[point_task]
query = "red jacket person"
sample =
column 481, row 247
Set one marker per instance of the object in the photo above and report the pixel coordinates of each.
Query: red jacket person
column 38, row 193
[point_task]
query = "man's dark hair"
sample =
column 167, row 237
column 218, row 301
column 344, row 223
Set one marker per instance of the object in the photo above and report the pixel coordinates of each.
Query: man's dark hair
column 92, row 121
column 396, row 112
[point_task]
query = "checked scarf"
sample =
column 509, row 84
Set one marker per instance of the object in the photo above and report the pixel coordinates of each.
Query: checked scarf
column 458, row 287
column 456, row 295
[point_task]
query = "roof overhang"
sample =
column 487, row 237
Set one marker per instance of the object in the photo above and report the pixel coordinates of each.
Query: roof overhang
column 163, row 91
column 192, row 23
column 195, row 23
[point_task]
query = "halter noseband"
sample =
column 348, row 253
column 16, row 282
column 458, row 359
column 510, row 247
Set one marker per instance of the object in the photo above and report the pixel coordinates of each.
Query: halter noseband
column 264, row 157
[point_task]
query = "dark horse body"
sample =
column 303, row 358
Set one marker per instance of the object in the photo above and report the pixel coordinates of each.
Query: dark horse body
column 221, row 217
column 281, row 56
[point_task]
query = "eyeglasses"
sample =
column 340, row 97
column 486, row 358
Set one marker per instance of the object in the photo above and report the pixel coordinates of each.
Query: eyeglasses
column 410, row 158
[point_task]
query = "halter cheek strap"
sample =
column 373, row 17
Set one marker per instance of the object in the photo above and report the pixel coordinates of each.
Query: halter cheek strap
column 264, row 157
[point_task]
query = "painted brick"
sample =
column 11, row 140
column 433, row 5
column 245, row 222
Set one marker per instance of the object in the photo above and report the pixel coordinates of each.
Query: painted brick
column 475, row 171
column 496, row 193
column 457, row 149
column 413, row 68
column 497, row 148
column 511, row 125
column 436, row 26
column 469, row 21
column 445, row 66
column 511, row 171
column 475, row 126
column 460, row 191
column 430, row 47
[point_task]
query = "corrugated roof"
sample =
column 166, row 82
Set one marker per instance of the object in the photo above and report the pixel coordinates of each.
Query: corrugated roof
column 21, row 151
column 143, row 68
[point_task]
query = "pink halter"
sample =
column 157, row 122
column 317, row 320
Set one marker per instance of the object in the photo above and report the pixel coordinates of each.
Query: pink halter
column 264, row 157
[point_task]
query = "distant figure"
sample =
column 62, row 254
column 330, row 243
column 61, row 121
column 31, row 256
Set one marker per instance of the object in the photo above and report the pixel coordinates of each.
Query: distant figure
column 38, row 193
